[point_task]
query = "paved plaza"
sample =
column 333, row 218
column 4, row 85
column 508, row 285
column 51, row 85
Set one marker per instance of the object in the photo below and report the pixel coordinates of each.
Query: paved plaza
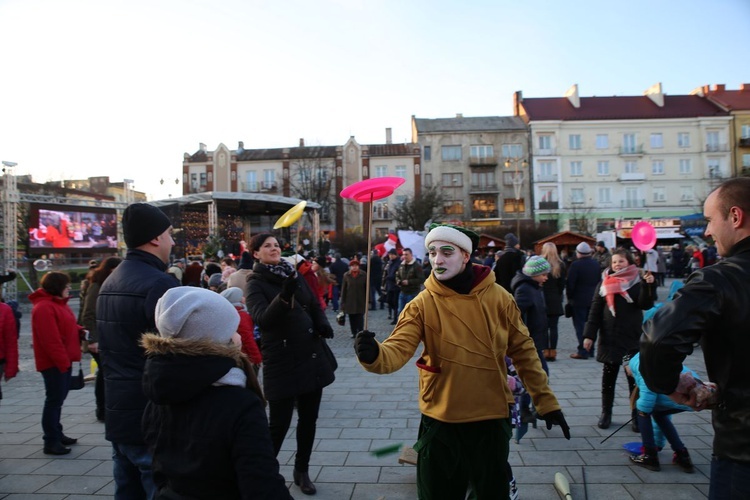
column 362, row 412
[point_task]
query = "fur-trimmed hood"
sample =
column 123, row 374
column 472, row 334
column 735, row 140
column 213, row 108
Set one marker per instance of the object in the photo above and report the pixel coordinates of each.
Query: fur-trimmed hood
column 179, row 369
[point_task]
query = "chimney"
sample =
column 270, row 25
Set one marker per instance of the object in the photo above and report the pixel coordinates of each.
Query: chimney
column 388, row 139
column 744, row 87
column 654, row 92
column 719, row 87
column 241, row 146
column 573, row 97
column 459, row 115
column 302, row 142
column 202, row 147
column 517, row 100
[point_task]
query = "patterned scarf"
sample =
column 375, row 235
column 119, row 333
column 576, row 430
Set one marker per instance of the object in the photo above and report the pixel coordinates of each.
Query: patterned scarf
column 617, row 283
column 283, row 268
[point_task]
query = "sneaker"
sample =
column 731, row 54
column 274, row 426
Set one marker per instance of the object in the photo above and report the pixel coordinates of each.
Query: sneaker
column 682, row 459
column 648, row 460
column 513, row 490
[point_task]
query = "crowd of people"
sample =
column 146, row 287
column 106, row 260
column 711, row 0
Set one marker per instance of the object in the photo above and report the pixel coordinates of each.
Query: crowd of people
column 180, row 346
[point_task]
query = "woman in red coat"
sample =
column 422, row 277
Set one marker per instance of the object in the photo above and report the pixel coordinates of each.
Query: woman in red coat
column 55, row 334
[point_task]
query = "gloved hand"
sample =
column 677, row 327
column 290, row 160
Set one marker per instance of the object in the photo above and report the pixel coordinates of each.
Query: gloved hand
column 556, row 418
column 366, row 347
column 326, row 331
column 288, row 288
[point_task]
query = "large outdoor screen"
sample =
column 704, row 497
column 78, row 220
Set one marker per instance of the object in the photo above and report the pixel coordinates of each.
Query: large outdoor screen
column 58, row 228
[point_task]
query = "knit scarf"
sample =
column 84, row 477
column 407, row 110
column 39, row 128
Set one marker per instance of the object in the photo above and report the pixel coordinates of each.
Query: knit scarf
column 618, row 283
column 283, row 268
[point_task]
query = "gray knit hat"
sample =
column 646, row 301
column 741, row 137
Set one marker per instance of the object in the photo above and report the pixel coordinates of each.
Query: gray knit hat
column 234, row 295
column 189, row 312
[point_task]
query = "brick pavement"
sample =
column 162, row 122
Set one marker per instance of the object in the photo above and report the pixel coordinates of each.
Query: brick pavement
column 362, row 412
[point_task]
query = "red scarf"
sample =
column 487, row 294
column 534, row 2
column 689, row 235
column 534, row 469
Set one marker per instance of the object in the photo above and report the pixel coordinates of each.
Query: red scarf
column 617, row 283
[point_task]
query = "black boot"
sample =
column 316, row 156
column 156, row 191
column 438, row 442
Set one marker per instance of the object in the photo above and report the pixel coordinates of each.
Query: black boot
column 67, row 441
column 649, row 460
column 605, row 420
column 302, row 479
column 608, row 396
column 56, row 449
column 682, row 458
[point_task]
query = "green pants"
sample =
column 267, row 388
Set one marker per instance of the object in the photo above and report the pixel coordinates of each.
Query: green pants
column 454, row 458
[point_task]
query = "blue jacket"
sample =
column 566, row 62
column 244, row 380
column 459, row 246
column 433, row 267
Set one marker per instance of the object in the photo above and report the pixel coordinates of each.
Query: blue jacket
column 530, row 300
column 583, row 276
column 648, row 400
column 125, row 310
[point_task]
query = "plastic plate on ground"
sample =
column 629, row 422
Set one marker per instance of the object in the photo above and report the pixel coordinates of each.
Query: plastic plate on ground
column 372, row 189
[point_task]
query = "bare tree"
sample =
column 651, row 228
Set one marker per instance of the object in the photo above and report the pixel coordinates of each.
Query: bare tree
column 420, row 208
column 581, row 219
column 312, row 178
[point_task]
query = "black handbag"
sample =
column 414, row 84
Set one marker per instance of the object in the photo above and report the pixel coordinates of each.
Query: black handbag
column 328, row 353
column 76, row 381
column 568, row 310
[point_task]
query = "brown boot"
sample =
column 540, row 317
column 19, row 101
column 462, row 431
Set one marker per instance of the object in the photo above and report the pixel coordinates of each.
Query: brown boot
column 545, row 353
column 552, row 356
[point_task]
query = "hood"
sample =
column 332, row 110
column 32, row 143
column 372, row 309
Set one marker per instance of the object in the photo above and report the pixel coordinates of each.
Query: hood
column 177, row 370
column 520, row 278
column 40, row 294
column 483, row 278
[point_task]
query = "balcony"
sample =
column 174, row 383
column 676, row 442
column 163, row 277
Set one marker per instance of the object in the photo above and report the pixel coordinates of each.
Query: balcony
column 549, row 205
column 545, row 151
column 632, row 203
column 632, row 177
column 250, row 187
column 631, row 150
column 195, row 188
column 744, row 142
column 484, row 214
column 381, row 213
column 484, row 187
column 546, row 178
column 269, row 187
column 483, row 161
column 717, row 148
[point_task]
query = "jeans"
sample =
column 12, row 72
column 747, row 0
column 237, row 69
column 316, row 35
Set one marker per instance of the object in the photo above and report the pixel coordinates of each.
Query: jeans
column 403, row 299
column 134, row 479
column 280, row 416
column 666, row 426
column 335, row 297
column 56, row 386
column 356, row 323
column 580, row 316
column 552, row 322
column 730, row 480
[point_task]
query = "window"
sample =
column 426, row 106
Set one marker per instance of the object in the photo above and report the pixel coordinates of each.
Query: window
column 269, row 179
column 632, row 198
column 745, row 132
column 546, row 168
column 512, row 205
column 451, row 153
column 401, row 171
column 659, row 194
column 381, row 170
column 483, row 180
column 484, row 208
column 508, row 178
column 482, row 151
column 204, row 179
column 712, row 141
column 545, row 142
column 251, row 181
column 574, row 141
column 194, row 181
column 548, row 195
column 686, row 193
column 602, row 168
column 427, row 153
column 685, row 167
column 453, row 180
column 428, row 180
column 631, row 167
column 576, row 168
column 745, row 161
column 453, row 208
column 602, row 141
column 380, row 210
column 683, row 139
column 628, row 143
column 576, row 195
column 512, row 151
column 657, row 167
column 714, row 168
column 605, row 195
column 657, row 141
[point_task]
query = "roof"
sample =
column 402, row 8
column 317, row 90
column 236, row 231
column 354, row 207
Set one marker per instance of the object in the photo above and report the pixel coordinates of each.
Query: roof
column 240, row 203
column 469, row 124
column 619, row 108
column 408, row 149
column 201, row 156
column 732, row 100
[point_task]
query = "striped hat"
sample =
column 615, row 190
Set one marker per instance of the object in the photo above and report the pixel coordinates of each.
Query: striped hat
column 535, row 266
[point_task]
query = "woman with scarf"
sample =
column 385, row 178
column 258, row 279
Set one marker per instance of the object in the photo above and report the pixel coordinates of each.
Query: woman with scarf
column 615, row 317
column 296, row 364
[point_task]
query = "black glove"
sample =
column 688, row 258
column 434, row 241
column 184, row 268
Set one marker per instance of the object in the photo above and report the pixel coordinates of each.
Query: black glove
column 366, row 347
column 326, row 331
column 288, row 288
column 556, row 418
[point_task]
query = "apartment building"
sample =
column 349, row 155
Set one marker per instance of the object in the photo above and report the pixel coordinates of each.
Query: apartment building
column 737, row 104
column 608, row 159
column 480, row 163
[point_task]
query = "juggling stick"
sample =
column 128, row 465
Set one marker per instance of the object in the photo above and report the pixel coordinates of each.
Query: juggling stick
column 562, row 486
column 367, row 191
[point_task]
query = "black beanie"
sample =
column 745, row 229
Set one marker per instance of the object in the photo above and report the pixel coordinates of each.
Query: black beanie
column 246, row 262
column 142, row 223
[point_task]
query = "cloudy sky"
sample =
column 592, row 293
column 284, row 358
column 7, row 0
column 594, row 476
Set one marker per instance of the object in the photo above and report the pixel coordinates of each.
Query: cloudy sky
column 125, row 87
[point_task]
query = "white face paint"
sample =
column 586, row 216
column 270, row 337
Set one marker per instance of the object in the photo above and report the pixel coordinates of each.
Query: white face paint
column 447, row 259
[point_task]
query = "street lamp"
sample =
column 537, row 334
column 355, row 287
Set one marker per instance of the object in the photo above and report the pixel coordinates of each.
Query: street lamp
column 517, row 183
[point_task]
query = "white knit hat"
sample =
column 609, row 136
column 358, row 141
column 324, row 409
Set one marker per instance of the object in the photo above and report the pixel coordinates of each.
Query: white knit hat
column 464, row 238
column 234, row 295
column 584, row 248
column 189, row 312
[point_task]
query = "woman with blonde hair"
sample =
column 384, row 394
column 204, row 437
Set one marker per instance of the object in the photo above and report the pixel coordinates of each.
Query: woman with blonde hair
column 553, row 290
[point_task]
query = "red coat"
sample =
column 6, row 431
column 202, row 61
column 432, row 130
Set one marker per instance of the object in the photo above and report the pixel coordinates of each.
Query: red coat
column 54, row 332
column 8, row 341
column 249, row 346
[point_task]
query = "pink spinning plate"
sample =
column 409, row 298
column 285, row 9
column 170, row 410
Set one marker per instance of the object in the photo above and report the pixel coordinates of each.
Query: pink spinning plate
column 372, row 189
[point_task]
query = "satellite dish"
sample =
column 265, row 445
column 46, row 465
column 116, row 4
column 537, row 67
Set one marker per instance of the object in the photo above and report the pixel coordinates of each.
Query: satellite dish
column 42, row 265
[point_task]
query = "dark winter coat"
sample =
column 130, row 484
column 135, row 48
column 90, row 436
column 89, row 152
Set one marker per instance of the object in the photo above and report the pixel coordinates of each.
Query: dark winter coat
column 389, row 275
column 353, row 293
column 554, row 289
column 293, row 359
column 376, row 271
column 125, row 310
column 583, row 276
column 508, row 264
column 207, row 441
column 618, row 335
column 530, row 300
column 338, row 268
column 413, row 274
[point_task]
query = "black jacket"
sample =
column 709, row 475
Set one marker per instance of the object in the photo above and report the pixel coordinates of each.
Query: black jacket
column 389, row 275
column 207, row 441
column 293, row 359
column 554, row 289
column 506, row 267
column 713, row 308
column 124, row 312
column 583, row 275
column 530, row 300
column 618, row 335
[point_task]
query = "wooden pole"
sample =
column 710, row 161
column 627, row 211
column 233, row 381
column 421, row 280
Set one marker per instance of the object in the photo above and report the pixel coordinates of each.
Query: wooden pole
column 369, row 266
